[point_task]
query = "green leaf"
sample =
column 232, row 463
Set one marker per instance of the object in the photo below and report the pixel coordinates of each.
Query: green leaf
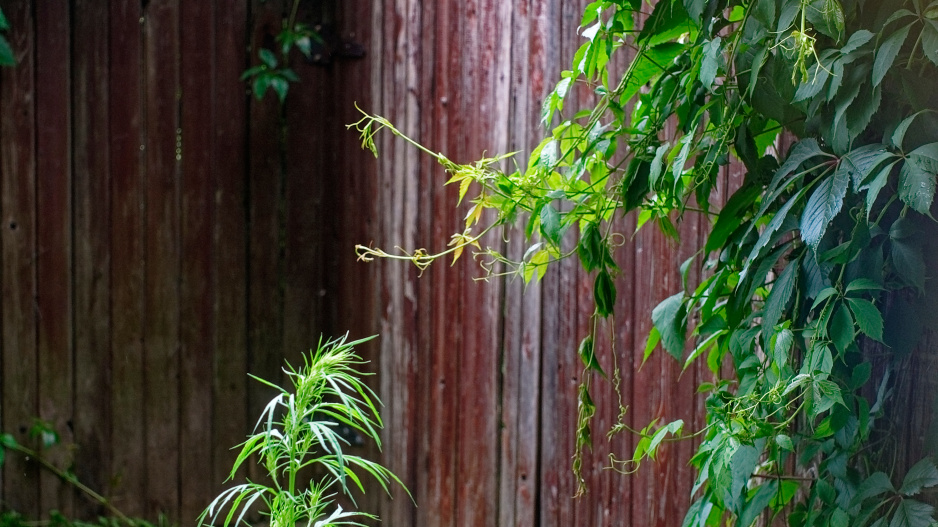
column 823, row 205
column 6, row 53
column 876, row 185
column 917, row 178
column 268, row 58
column 744, row 462
column 550, row 224
column 550, row 154
column 588, row 356
column 711, row 62
column 887, row 52
column 758, row 503
column 868, row 317
column 785, row 442
column 604, row 293
column 4, row 23
column 841, row 329
column 784, row 340
column 930, row 41
column 668, row 318
column 649, row 65
column 911, row 513
column 898, row 135
column 775, row 224
column 858, row 164
column 654, row 337
column 878, row 483
column 779, row 296
column 922, row 475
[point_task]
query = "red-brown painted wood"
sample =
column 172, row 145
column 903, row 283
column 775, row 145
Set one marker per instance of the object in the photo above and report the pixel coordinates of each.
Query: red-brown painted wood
column 196, row 290
column 18, row 243
column 162, row 246
column 92, row 246
column 54, row 243
column 230, row 421
column 127, row 486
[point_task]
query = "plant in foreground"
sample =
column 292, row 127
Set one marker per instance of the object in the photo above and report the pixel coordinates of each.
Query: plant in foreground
column 297, row 437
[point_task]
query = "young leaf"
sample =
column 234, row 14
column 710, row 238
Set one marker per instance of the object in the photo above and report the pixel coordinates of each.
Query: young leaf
column 887, row 52
column 922, row 475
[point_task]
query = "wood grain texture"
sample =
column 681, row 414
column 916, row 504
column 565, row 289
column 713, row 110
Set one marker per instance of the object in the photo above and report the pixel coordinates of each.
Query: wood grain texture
column 18, row 246
column 196, row 288
column 162, row 246
column 230, row 421
column 264, row 225
column 127, row 485
column 128, row 479
column 54, row 243
column 92, row 246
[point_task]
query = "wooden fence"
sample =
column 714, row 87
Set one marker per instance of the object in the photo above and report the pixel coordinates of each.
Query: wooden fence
column 164, row 234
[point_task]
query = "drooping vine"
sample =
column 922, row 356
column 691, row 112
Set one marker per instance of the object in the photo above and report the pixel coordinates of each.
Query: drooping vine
column 816, row 258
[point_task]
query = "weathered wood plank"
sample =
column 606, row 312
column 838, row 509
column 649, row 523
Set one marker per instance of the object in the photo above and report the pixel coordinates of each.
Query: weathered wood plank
column 398, row 23
column 230, row 422
column 92, row 247
column 53, row 232
column 307, row 214
column 265, row 191
column 18, row 244
column 125, row 108
column 196, row 291
column 161, row 19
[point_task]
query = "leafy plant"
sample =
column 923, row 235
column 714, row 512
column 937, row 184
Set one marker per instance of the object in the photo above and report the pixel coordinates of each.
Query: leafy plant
column 48, row 437
column 272, row 72
column 297, row 435
column 815, row 276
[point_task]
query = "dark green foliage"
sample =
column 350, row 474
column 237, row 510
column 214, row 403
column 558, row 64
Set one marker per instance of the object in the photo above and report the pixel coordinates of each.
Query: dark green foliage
column 803, row 257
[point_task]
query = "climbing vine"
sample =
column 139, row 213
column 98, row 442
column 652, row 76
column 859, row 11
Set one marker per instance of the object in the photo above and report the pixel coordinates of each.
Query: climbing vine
column 815, row 259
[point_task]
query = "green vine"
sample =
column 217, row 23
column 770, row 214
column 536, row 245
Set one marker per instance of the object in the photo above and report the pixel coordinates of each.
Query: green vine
column 814, row 270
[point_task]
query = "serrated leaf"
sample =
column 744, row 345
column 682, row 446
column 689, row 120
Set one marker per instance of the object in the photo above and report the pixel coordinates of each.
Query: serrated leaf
column 917, row 182
column 922, row 475
column 863, row 284
column 743, row 464
column 775, row 224
column 550, row 154
column 912, row 513
column 783, row 344
column 587, row 355
column 841, row 330
column 887, row 52
column 859, row 164
column 868, row 317
column 930, row 41
column 878, row 483
column 779, row 296
column 875, row 185
column 856, row 40
column 668, row 319
column 823, row 205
